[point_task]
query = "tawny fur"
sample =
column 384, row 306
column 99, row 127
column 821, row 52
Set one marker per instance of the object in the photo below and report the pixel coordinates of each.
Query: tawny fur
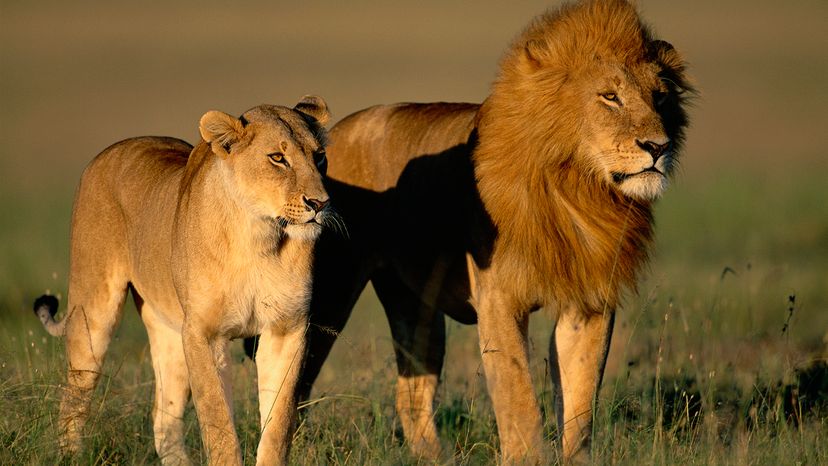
column 538, row 198
column 215, row 242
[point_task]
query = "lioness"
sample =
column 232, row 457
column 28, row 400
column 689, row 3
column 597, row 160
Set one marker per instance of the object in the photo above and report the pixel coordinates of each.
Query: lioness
column 215, row 242
column 538, row 198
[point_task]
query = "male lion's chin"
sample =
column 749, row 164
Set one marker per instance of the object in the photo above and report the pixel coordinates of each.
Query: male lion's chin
column 644, row 186
column 304, row 231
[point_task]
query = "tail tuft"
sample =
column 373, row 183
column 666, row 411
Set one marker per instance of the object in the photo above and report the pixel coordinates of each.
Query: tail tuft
column 45, row 308
column 49, row 302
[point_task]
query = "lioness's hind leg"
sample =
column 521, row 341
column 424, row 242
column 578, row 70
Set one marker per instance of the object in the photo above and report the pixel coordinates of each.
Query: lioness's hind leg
column 97, row 286
column 419, row 343
column 94, row 314
column 172, row 389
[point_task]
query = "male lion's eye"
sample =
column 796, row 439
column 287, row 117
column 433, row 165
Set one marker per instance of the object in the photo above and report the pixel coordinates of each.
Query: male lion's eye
column 610, row 97
column 319, row 158
column 321, row 162
column 278, row 157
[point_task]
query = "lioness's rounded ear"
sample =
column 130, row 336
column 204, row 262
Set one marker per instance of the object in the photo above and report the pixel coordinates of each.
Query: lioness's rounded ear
column 219, row 128
column 315, row 107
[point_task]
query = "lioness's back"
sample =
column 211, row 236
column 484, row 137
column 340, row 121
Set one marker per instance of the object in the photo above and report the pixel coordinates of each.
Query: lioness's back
column 129, row 188
column 133, row 173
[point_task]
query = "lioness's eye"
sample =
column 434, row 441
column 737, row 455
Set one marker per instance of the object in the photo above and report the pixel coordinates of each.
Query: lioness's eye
column 610, row 97
column 278, row 157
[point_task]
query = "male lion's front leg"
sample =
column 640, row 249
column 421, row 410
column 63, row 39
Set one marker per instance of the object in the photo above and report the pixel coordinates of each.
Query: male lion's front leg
column 503, row 346
column 577, row 356
column 419, row 333
column 214, row 415
column 279, row 361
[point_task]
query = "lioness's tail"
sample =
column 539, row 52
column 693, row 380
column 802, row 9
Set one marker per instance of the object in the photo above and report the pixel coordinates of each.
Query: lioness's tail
column 45, row 308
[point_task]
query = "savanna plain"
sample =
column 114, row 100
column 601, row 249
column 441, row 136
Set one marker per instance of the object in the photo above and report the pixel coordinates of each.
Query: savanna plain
column 719, row 358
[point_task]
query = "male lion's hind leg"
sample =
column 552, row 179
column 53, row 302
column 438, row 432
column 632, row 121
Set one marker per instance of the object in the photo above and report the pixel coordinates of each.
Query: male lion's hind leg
column 419, row 343
column 172, row 389
column 577, row 356
column 95, row 309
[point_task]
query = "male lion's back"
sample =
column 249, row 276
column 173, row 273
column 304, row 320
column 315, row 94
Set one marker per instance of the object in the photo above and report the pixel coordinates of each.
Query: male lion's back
column 403, row 180
column 371, row 148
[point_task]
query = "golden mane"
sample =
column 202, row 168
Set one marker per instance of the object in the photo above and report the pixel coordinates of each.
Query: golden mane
column 574, row 240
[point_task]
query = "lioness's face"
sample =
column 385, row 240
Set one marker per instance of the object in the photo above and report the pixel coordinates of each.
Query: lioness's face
column 630, row 140
column 273, row 167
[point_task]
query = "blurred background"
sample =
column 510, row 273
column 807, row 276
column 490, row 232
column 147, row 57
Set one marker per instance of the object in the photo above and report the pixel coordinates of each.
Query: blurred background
column 743, row 229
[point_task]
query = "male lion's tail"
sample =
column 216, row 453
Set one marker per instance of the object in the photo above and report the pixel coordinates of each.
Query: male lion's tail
column 45, row 308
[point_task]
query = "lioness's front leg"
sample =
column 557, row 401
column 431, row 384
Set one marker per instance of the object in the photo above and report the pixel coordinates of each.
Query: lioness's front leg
column 577, row 356
column 279, row 360
column 502, row 327
column 214, row 415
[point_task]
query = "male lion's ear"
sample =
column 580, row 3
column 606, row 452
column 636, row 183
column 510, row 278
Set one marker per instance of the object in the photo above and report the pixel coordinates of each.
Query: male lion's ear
column 533, row 54
column 220, row 129
column 314, row 107
column 673, row 66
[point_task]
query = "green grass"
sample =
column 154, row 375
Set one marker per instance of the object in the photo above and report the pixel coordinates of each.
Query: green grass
column 719, row 359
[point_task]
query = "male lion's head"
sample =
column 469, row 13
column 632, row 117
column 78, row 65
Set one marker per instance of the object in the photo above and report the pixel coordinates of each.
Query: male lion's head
column 272, row 160
column 611, row 94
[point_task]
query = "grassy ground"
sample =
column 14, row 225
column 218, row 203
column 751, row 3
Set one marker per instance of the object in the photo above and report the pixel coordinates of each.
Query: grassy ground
column 720, row 359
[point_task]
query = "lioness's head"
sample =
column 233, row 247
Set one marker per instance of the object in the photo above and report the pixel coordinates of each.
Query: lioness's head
column 272, row 160
column 612, row 93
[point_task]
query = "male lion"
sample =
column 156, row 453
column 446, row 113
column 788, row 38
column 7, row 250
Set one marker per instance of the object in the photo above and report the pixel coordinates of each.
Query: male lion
column 538, row 198
column 215, row 242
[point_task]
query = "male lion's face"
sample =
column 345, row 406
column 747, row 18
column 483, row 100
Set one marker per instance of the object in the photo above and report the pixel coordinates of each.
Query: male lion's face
column 273, row 167
column 630, row 142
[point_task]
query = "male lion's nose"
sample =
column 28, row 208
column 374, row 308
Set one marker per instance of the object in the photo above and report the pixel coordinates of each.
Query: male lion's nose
column 655, row 149
column 315, row 204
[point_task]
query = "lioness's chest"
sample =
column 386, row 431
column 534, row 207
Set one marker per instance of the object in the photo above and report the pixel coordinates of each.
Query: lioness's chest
column 265, row 294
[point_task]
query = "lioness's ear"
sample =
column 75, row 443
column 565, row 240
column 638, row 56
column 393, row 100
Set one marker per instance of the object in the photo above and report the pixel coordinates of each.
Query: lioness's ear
column 220, row 129
column 314, row 107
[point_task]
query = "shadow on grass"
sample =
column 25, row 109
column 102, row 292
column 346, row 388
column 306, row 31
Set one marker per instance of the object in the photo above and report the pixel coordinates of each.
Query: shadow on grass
column 680, row 404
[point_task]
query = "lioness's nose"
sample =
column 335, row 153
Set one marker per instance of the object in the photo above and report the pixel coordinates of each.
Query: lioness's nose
column 655, row 149
column 315, row 204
